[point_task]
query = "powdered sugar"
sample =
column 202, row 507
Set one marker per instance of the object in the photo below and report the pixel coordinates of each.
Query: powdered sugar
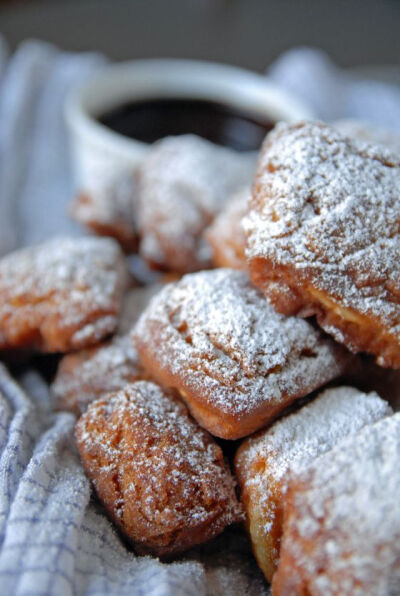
column 171, row 473
column 88, row 374
column 343, row 526
column 295, row 441
column 74, row 285
column 328, row 208
column 183, row 183
column 222, row 339
column 264, row 462
column 110, row 210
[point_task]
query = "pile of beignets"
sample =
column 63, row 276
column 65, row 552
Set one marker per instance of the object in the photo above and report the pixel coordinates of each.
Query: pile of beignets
column 279, row 350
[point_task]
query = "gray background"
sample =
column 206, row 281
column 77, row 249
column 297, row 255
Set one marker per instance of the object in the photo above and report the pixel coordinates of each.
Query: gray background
column 250, row 33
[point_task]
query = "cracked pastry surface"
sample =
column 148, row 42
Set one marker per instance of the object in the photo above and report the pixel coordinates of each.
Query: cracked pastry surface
column 62, row 295
column 341, row 531
column 226, row 235
column 323, row 235
column 183, row 183
column 162, row 478
column 234, row 360
column 263, row 463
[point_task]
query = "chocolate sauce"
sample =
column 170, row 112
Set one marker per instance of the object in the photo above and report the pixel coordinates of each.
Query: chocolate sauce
column 154, row 119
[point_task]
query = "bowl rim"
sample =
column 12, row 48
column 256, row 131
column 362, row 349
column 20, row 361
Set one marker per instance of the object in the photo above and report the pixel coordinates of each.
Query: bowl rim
column 117, row 80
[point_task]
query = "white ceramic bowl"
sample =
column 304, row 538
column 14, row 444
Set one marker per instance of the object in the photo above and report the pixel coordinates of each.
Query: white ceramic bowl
column 102, row 157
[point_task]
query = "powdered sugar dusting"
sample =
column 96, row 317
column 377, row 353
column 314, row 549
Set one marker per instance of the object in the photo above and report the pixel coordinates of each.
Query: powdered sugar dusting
column 61, row 295
column 296, row 440
column 329, row 207
column 111, row 209
column 171, row 475
column 342, row 533
column 264, row 462
column 183, row 183
column 89, row 374
column 222, row 338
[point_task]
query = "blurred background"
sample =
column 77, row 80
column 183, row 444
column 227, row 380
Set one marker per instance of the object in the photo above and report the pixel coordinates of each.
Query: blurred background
column 249, row 33
column 37, row 175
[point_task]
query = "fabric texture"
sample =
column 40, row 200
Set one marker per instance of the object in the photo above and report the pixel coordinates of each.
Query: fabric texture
column 54, row 537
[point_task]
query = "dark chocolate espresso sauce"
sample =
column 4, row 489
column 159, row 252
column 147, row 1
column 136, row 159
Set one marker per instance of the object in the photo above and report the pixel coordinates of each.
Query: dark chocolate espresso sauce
column 153, row 119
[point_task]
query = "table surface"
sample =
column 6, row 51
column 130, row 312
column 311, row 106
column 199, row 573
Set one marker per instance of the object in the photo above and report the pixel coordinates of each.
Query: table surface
column 250, row 33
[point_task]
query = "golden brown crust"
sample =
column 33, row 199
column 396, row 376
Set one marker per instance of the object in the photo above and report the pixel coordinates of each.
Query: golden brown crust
column 264, row 462
column 292, row 296
column 265, row 544
column 108, row 215
column 161, row 477
column 313, row 245
column 61, row 296
column 226, row 235
column 235, row 362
